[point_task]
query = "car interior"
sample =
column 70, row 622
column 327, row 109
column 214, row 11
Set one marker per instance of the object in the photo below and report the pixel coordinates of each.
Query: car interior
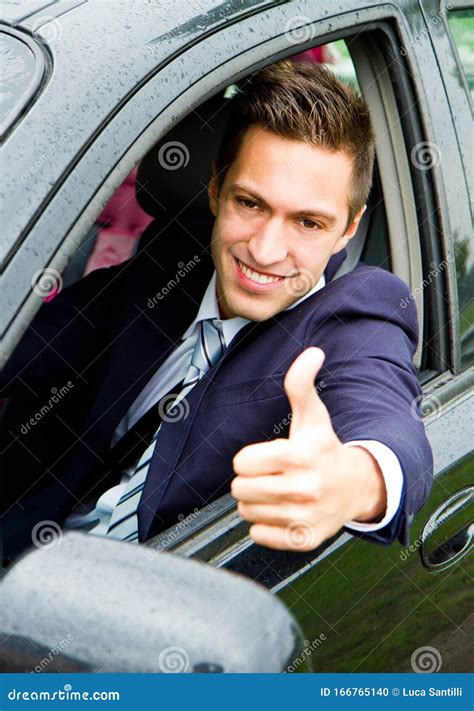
column 181, row 195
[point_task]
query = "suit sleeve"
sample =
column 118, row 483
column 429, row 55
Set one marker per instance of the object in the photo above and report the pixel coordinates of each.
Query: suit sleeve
column 369, row 384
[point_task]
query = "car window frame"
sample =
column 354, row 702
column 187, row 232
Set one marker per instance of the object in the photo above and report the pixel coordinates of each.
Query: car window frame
column 158, row 127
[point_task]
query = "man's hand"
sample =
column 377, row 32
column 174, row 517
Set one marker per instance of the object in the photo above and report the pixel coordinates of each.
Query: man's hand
column 299, row 491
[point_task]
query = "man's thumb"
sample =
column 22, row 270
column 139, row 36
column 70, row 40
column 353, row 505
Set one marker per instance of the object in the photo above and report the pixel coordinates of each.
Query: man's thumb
column 306, row 406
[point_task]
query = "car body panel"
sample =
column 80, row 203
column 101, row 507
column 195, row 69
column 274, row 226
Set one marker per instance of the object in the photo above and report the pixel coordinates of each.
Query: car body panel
column 377, row 608
column 81, row 96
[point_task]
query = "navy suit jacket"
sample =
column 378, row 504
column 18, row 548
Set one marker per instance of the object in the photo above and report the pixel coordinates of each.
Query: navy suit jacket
column 101, row 339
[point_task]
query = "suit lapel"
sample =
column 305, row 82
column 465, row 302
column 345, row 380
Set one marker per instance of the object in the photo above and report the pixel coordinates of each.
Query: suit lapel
column 173, row 435
column 147, row 337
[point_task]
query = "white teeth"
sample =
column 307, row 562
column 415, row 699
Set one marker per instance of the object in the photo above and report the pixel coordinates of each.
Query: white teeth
column 255, row 276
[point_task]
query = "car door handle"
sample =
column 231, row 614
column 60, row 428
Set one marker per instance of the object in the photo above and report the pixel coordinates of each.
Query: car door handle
column 448, row 535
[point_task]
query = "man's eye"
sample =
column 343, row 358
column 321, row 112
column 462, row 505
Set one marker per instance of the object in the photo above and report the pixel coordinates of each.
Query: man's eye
column 309, row 224
column 247, row 203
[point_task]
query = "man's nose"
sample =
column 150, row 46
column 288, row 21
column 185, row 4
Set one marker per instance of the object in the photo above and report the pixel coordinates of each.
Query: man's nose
column 268, row 245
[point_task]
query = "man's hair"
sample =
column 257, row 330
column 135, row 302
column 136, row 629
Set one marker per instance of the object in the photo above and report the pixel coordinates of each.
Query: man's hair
column 303, row 101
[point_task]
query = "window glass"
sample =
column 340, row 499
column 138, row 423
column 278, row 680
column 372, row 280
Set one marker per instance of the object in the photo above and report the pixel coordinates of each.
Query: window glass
column 18, row 68
column 461, row 25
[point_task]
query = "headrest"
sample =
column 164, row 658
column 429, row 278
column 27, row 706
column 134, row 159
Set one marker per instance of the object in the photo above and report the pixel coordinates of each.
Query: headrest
column 175, row 173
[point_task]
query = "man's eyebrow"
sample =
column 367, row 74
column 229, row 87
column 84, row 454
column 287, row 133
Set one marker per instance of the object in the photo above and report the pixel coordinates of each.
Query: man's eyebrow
column 331, row 219
column 235, row 187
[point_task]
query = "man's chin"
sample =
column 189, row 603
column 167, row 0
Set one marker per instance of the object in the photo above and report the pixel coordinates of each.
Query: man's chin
column 252, row 310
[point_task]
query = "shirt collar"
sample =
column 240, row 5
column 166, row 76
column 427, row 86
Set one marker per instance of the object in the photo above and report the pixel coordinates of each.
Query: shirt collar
column 231, row 326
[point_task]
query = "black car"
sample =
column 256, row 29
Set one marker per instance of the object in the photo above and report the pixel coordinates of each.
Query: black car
column 93, row 89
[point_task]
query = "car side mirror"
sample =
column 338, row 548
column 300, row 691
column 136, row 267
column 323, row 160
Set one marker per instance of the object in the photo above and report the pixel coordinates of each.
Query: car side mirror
column 84, row 603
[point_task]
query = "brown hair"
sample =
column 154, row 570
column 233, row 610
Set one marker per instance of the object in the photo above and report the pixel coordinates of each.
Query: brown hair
column 303, row 101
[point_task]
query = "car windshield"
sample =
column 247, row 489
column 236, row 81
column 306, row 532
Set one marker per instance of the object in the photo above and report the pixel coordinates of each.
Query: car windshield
column 17, row 71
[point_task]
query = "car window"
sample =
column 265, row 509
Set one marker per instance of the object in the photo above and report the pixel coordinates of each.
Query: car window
column 21, row 71
column 382, row 239
column 391, row 238
column 461, row 25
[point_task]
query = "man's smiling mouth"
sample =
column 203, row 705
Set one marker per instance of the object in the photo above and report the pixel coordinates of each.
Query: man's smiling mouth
column 258, row 277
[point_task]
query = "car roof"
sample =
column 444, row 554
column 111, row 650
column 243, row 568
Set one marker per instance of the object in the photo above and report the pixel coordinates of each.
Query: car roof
column 96, row 54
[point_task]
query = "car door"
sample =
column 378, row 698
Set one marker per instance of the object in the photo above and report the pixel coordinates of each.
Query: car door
column 362, row 607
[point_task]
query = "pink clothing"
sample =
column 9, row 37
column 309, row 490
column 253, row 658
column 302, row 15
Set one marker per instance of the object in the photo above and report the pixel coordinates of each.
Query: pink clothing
column 123, row 221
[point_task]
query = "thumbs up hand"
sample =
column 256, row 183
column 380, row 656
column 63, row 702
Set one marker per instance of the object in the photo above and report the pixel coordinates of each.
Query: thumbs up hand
column 299, row 491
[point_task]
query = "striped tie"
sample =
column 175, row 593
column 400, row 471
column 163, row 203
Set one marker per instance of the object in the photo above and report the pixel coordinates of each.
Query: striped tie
column 208, row 349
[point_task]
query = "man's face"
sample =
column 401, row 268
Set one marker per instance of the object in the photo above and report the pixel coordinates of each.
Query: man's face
column 282, row 211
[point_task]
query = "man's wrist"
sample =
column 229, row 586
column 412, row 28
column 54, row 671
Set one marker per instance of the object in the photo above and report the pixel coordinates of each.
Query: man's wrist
column 369, row 484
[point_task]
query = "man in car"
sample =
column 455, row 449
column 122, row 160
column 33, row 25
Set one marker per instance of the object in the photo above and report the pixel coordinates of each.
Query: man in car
column 256, row 371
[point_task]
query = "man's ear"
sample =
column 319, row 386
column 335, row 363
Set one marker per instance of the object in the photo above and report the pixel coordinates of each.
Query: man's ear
column 213, row 189
column 350, row 231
